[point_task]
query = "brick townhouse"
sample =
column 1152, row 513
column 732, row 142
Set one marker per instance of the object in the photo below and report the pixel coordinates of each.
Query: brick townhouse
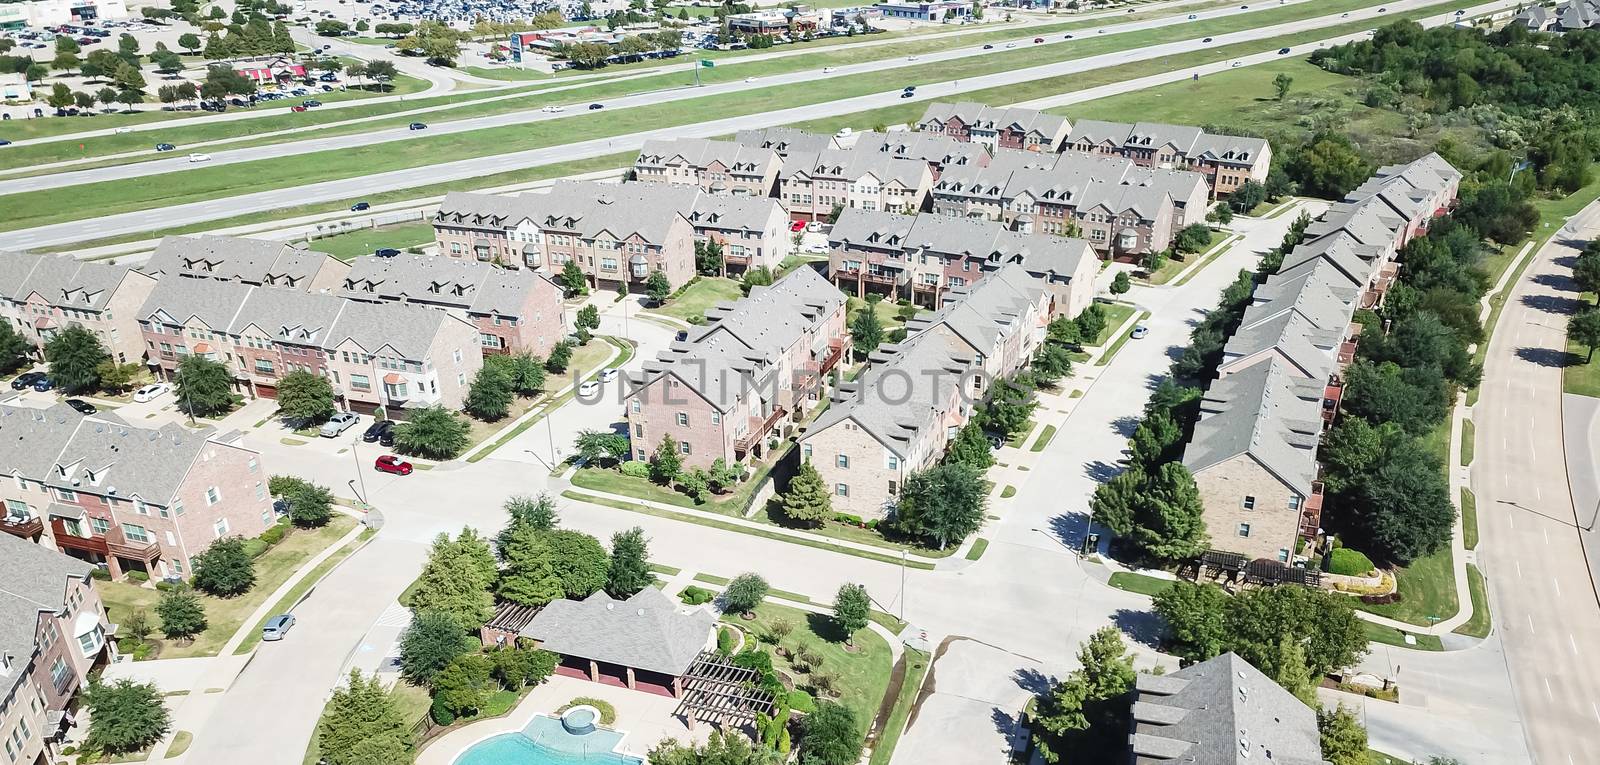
column 616, row 233
column 752, row 231
column 131, row 498
column 787, row 141
column 392, row 355
column 939, row 151
column 1226, row 161
column 260, row 262
column 925, row 257
column 717, row 167
column 1253, row 452
column 813, row 185
column 755, row 367
column 996, row 127
column 53, row 633
column 899, row 415
column 40, row 295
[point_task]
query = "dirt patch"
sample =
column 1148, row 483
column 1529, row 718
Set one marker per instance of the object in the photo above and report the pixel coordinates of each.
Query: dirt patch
column 897, row 678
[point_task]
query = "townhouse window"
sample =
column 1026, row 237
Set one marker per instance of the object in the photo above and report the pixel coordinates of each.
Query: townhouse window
column 1249, row 502
column 1244, row 529
column 395, row 391
column 100, row 525
column 360, row 382
column 177, row 507
column 841, row 489
column 893, row 462
column 893, row 488
column 805, row 450
column 842, row 461
column 16, row 508
column 60, row 674
column 89, row 642
column 264, row 367
column 261, row 491
column 683, row 420
column 66, row 495
column 716, row 418
column 683, row 447
column 635, row 405
column 220, row 527
column 638, row 430
column 136, row 533
column 1283, row 555
column 47, row 637
column 177, row 565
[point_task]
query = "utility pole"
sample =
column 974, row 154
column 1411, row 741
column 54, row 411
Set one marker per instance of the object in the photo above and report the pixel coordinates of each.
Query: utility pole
column 360, row 475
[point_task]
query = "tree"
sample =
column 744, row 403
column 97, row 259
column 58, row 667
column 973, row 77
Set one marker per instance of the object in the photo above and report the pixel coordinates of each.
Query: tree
column 305, row 398
column 589, row 318
column 1084, row 716
column 524, row 370
column 722, row 476
column 592, row 446
column 331, row 28
column 363, row 725
column 665, row 464
column 454, row 580
column 1195, row 236
column 1051, row 363
column 1404, row 505
column 490, row 396
column 1293, row 674
column 181, row 613
column 832, row 736
column 942, row 504
column 657, row 287
column 205, row 387
column 708, row 258
column 760, row 276
column 529, row 575
column 1344, row 741
column 190, row 42
column 1324, row 623
column 744, row 593
column 808, row 500
column 1120, row 284
column 629, row 571
column 1584, row 328
column 125, row 716
column 310, row 505
column 14, row 349
column 224, row 569
column 538, row 513
column 1153, row 261
column 1328, row 166
column 1194, row 614
column 1281, row 85
column 82, row 100
column 970, row 447
column 60, row 96
column 851, row 606
column 128, row 78
column 74, row 356
column 429, row 643
column 384, row 71
column 1010, row 407
column 1169, row 524
column 166, row 61
column 1586, row 271
column 866, row 331
column 516, row 667
column 463, row 686
column 1243, row 199
column 215, row 48
column 578, row 561
column 65, row 61
column 434, row 432
column 721, row 749
column 1156, row 440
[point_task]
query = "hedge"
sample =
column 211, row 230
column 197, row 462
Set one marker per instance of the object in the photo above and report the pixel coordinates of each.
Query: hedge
column 1347, row 562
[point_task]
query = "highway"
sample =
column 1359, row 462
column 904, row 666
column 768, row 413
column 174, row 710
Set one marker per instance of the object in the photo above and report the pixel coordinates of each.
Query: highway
column 1543, row 597
column 353, row 188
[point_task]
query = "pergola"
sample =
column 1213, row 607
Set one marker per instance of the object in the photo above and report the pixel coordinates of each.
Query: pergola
column 717, row 691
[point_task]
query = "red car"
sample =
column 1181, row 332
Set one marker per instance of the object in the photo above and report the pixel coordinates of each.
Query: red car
column 297, row 108
column 389, row 463
column 798, row 225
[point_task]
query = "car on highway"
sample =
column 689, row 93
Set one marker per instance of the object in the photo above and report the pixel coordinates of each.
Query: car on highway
column 1381, row 10
column 165, row 147
column 1208, row 39
column 1139, row 332
column 199, row 158
column 297, row 108
column 359, row 206
column 988, row 47
column 589, row 389
column 906, row 94
column 552, row 108
column 150, row 392
column 1192, row 17
column 417, row 126
column 376, row 430
column 310, row 103
column 122, row 130
column 276, row 627
column 43, row 384
column 4, row 142
column 749, row 79
column 911, row 58
column 26, row 380
column 81, row 406
column 1461, row 13
column 1011, row 45
column 1282, row 51
column 1066, row 37
column 1037, row 40
column 389, row 463
column 338, row 423
column 592, row 107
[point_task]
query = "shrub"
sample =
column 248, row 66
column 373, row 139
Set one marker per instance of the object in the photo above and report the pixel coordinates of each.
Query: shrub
column 853, row 520
column 695, row 596
column 138, row 576
column 635, row 469
column 100, row 573
column 274, row 535
column 1381, row 600
column 441, row 712
column 725, row 641
column 166, row 586
column 608, row 713
column 1348, row 562
column 800, row 701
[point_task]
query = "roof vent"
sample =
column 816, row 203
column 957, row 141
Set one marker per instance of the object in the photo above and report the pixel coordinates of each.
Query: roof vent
column 641, row 612
column 611, row 606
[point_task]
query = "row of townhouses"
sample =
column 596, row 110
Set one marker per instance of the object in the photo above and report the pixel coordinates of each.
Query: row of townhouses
column 900, row 413
column 926, row 258
column 42, row 294
column 1253, row 452
column 752, row 370
column 53, row 632
column 1225, row 161
column 617, row 234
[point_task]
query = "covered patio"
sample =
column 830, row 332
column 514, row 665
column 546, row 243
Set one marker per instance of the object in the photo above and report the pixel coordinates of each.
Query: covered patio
column 645, row 643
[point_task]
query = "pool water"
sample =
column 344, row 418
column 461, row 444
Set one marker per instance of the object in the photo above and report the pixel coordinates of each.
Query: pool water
column 545, row 742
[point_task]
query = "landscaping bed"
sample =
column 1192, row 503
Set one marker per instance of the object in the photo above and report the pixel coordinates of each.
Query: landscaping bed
column 861, row 676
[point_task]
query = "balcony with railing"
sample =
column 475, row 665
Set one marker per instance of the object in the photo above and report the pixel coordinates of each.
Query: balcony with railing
column 758, row 430
column 1311, row 512
column 71, row 540
column 1372, row 297
column 1347, row 348
column 124, row 546
column 29, row 527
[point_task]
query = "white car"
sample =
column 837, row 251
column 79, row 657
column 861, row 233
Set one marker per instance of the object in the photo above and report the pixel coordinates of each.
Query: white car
column 199, row 157
column 749, row 79
column 911, row 58
column 589, row 389
column 124, row 130
column 150, row 392
column 338, row 423
column 1011, row 45
column 1139, row 331
column 553, row 108
column 608, row 374
column 816, row 249
column 827, row 70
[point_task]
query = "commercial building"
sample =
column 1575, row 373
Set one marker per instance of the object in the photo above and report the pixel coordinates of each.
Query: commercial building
column 996, row 127
column 14, row 87
column 50, row 13
column 1253, row 450
column 131, row 498
column 924, row 258
column 737, row 382
column 717, row 167
column 53, row 633
column 1221, row 711
column 937, row 10
column 1226, row 161
column 898, row 416
column 40, row 295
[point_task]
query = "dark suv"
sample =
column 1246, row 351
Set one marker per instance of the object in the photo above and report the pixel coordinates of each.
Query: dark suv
column 381, row 432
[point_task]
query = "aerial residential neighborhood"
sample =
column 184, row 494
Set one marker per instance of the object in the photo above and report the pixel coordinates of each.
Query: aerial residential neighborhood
column 517, row 382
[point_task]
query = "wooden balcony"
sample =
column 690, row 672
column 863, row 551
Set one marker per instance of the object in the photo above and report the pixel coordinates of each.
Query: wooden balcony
column 27, row 528
column 118, row 544
column 70, row 541
column 1311, row 512
column 758, row 430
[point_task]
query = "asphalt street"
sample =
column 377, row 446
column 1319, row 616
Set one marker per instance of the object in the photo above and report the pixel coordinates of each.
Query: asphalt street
column 1543, row 597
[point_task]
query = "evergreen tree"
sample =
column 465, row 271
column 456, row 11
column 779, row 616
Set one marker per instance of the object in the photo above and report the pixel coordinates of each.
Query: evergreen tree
column 657, row 287
column 808, row 500
column 490, row 396
column 525, row 512
column 560, row 357
column 744, row 593
column 573, row 280
column 181, row 613
column 429, row 643
column 363, row 725
column 665, row 464
column 1085, row 715
column 224, row 569
column 1344, row 741
column 866, row 331
column 455, row 582
column 832, row 736
column 529, row 576
column 630, row 566
column 464, row 685
column 943, row 504
column 205, row 387
column 970, row 447
column 578, row 561
column 1120, row 284
column 74, row 356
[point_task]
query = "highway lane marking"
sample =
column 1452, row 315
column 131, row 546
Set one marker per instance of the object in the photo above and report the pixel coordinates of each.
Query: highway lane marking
column 1557, row 583
column 1596, row 710
column 1574, row 644
column 1547, row 692
column 1530, row 624
column 1519, row 569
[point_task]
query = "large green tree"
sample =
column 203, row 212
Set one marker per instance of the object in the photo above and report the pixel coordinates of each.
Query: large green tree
column 363, row 725
column 970, row 447
column 665, row 464
column 491, row 394
column 579, row 561
column 866, row 330
column 629, row 570
column 1083, row 718
column 430, row 642
column 182, row 614
column 14, row 349
column 456, row 580
column 832, row 736
column 1584, row 329
column 529, row 575
column 942, row 504
column 304, row 398
column 807, row 501
column 433, row 432
column 125, row 716
column 224, row 569
column 74, row 356
column 205, row 387
column 721, row 749
column 1195, row 616
column 463, row 686
column 851, row 609
column 1404, row 507
column 1344, row 740
column 744, row 593
column 1329, row 165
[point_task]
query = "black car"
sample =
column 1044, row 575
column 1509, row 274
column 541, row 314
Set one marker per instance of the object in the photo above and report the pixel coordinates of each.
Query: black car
column 988, row 47
column 82, row 406
column 310, row 102
column 359, row 206
column 386, row 252
column 165, row 147
column 592, row 107
column 907, row 94
column 1206, row 40
column 376, row 431
column 1282, row 51
column 4, row 142
column 417, row 126
column 43, row 384
column 26, row 380
column 909, row 88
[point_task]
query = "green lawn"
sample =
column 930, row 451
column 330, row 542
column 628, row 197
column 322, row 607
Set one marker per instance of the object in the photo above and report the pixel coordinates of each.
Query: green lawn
column 1008, row 492
column 1173, row 266
column 979, row 546
column 1377, row 633
column 852, row 533
column 1216, row 236
column 612, row 481
column 1427, row 588
column 585, row 363
column 224, row 616
column 1478, row 625
column 1116, row 314
column 1375, row 757
column 888, row 312
column 691, row 305
column 1469, row 519
column 862, row 676
column 1582, row 374
column 365, row 241
column 1467, row 442
column 1016, row 440
column 1140, row 583
column 916, row 667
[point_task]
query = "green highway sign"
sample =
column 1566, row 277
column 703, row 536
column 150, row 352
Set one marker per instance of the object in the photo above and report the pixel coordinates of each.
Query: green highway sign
column 707, row 63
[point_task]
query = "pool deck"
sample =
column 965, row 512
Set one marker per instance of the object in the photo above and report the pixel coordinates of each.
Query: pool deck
column 644, row 719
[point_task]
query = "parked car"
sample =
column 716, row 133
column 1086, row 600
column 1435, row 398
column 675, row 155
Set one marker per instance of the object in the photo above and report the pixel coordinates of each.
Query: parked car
column 150, row 392
column 608, row 374
column 43, row 384
column 329, row 77
column 417, row 126
column 389, row 463
column 376, row 430
column 798, row 225
column 276, row 627
column 338, row 423
column 1139, row 331
column 589, row 389
column 26, row 380
column 359, row 206
column 82, row 407
column 386, row 252
column 199, row 158
column 165, row 147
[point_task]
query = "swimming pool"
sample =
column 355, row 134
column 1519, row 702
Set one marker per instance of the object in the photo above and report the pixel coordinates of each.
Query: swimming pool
column 545, row 741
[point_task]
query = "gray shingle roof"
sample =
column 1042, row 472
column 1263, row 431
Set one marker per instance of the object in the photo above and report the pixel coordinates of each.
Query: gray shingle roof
column 33, row 578
column 786, row 141
column 213, row 303
column 257, row 261
column 1043, row 255
column 460, row 283
column 899, row 396
column 982, row 313
column 700, row 152
column 1309, row 348
column 61, row 280
column 1264, row 411
column 587, row 208
column 939, row 150
column 852, row 165
column 646, row 631
column 1221, row 712
column 988, row 117
column 734, row 212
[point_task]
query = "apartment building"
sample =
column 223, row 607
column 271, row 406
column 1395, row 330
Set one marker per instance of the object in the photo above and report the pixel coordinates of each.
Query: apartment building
column 1122, row 209
column 53, row 630
column 899, row 415
column 515, row 310
column 1226, row 161
column 787, row 141
column 392, row 355
column 40, row 295
column 752, row 231
column 924, row 258
column 737, row 382
column 131, row 498
column 996, row 127
column 616, row 233
column 1253, row 452
column 717, row 167
column 939, row 151
column 1221, row 711
column 813, row 185
column 247, row 261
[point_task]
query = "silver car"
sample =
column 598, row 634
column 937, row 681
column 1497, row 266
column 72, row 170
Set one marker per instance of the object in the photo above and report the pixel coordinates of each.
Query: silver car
column 277, row 627
column 337, row 424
